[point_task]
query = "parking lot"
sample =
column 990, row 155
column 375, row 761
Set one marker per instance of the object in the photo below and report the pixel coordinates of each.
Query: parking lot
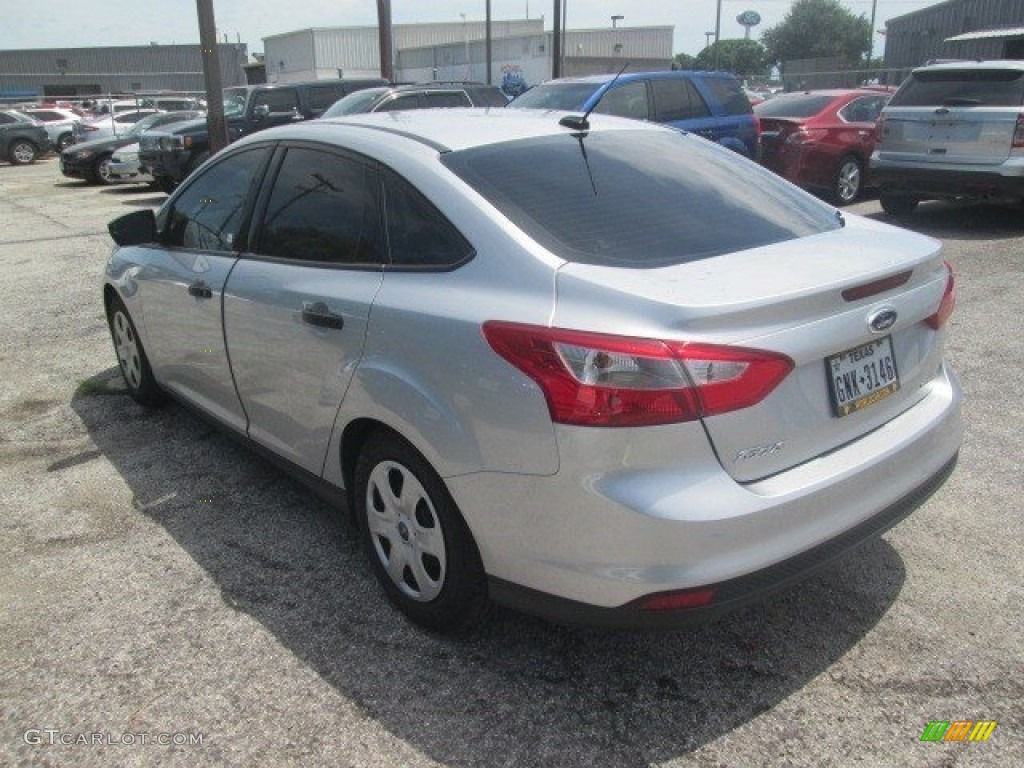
column 167, row 597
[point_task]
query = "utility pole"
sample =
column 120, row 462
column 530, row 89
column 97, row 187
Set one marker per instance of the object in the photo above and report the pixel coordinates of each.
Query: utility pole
column 387, row 69
column 489, row 80
column 718, row 35
column 216, row 125
column 871, row 37
column 556, row 42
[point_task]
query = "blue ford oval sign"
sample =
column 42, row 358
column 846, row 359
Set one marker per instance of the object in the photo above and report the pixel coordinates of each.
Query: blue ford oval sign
column 882, row 320
column 749, row 19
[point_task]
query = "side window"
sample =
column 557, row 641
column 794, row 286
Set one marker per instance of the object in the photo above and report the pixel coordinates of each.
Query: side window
column 278, row 100
column 677, row 99
column 726, row 90
column 6, row 119
column 402, row 101
column 418, row 234
column 209, row 212
column 322, row 96
column 447, row 99
column 629, row 100
column 863, row 110
column 323, row 207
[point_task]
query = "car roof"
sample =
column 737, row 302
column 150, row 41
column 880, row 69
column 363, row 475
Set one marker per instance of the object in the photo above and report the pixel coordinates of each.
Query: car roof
column 459, row 128
column 626, row 77
column 973, row 64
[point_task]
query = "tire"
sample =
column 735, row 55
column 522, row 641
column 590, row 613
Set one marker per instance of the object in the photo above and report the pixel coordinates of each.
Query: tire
column 131, row 357
column 64, row 141
column 165, row 184
column 22, row 152
column 101, row 170
column 898, row 205
column 418, row 545
column 847, row 181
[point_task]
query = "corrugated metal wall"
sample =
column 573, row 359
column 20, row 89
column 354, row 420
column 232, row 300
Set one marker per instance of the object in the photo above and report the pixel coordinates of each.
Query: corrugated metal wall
column 121, row 69
column 913, row 39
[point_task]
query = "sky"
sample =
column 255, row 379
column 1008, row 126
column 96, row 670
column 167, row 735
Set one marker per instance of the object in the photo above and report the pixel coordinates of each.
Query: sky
column 69, row 24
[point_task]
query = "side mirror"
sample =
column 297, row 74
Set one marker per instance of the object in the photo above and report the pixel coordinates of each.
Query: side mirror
column 261, row 112
column 135, row 228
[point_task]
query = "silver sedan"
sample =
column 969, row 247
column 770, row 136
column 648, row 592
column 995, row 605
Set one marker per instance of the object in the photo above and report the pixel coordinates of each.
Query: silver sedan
column 598, row 370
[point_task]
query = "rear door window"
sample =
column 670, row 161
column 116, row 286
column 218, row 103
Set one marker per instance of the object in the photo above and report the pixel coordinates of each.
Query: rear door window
column 677, row 99
column 628, row 100
column 962, row 88
column 322, row 96
column 399, row 102
column 418, row 234
column 279, row 100
column 728, row 93
column 324, row 207
column 446, row 99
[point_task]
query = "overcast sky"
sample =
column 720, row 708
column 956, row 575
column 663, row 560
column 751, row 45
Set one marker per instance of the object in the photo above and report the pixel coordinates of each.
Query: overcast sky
column 70, row 24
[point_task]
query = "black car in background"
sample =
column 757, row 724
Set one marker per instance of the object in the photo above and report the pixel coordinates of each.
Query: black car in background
column 90, row 160
column 22, row 138
column 172, row 155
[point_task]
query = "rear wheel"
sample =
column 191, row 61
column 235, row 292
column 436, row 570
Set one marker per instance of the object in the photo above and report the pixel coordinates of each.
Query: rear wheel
column 898, row 205
column 22, row 152
column 847, row 181
column 131, row 357
column 418, row 545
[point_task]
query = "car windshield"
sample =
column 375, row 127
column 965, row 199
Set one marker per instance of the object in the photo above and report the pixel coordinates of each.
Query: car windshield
column 567, row 96
column 146, row 122
column 962, row 88
column 234, row 102
column 793, row 105
column 638, row 198
column 355, row 103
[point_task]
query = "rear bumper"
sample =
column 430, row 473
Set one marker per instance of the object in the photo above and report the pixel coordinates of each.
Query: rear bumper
column 999, row 181
column 656, row 513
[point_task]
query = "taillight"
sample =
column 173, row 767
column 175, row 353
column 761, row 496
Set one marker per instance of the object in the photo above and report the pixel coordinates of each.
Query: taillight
column 678, row 601
column 601, row 380
column 806, row 135
column 1018, row 132
column 947, row 303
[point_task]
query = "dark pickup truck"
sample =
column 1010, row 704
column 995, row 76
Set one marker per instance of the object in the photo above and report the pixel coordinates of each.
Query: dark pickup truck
column 169, row 156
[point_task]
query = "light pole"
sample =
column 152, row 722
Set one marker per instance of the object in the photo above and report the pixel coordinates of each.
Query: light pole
column 615, row 21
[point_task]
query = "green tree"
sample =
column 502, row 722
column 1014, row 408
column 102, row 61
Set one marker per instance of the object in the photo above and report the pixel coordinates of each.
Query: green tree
column 684, row 61
column 741, row 57
column 818, row 29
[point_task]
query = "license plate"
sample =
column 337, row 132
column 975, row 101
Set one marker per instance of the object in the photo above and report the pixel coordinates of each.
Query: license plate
column 862, row 376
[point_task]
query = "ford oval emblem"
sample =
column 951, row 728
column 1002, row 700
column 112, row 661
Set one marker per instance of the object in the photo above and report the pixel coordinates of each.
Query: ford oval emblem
column 882, row 320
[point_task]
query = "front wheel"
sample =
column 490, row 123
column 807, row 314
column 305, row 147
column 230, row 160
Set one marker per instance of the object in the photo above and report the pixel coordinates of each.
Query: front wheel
column 898, row 205
column 64, row 141
column 418, row 545
column 847, row 181
column 22, row 152
column 131, row 357
column 101, row 170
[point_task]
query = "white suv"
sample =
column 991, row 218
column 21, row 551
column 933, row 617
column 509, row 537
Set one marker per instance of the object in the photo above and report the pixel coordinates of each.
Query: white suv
column 952, row 131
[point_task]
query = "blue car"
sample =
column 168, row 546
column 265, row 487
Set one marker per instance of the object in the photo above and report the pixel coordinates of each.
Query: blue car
column 710, row 104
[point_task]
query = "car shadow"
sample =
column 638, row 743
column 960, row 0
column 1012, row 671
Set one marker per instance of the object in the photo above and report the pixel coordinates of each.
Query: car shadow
column 518, row 691
column 960, row 221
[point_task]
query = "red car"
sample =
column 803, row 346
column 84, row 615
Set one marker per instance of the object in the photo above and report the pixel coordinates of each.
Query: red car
column 822, row 139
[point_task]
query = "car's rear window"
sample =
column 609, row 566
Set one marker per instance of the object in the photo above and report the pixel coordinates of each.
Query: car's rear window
column 637, row 198
column 793, row 105
column 962, row 88
column 566, row 96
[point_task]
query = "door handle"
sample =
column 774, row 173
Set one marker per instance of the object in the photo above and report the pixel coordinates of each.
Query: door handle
column 317, row 313
column 200, row 290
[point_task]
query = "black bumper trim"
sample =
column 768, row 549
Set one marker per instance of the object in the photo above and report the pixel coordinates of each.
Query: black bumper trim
column 946, row 184
column 729, row 595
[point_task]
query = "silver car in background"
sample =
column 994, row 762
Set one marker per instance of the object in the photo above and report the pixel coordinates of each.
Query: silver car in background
column 598, row 370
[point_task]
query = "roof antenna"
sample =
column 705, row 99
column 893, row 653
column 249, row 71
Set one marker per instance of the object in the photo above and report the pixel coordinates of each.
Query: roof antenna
column 579, row 122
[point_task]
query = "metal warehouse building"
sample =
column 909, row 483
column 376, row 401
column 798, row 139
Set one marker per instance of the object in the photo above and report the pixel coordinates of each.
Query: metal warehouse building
column 68, row 72
column 956, row 29
column 520, row 52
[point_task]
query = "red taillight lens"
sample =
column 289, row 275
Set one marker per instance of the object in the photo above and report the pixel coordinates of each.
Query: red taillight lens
column 947, row 304
column 1018, row 133
column 806, row 135
column 600, row 380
